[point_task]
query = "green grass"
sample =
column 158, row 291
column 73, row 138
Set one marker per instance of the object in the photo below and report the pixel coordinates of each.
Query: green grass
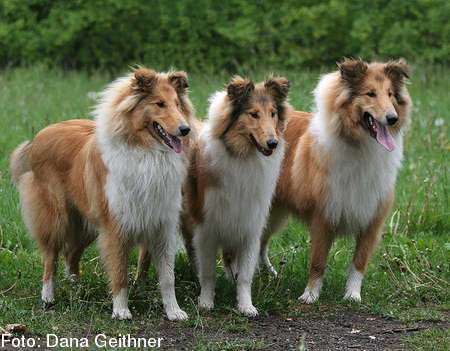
column 407, row 279
column 433, row 340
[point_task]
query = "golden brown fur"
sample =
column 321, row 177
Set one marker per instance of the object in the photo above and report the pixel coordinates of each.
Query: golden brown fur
column 268, row 101
column 61, row 174
column 304, row 184
column 233, row 126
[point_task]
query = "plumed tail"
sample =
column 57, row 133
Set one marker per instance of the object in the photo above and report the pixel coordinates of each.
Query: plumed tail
column 20, row 162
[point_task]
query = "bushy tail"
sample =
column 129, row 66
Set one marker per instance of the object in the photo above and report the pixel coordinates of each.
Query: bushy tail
column 19, row 162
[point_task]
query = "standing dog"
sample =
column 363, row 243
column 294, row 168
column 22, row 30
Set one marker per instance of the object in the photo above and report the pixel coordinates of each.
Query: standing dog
column 234, row 174
column 120, row 176
column 341, row 164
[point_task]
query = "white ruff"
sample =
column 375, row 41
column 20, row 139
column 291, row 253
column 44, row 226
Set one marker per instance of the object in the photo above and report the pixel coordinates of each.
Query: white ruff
column 361, row 177
column 143, row 186
column 238, row 208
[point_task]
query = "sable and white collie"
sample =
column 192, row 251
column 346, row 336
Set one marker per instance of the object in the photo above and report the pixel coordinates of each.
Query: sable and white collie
column 119, row 176
column 341, row 165
column 233, row 176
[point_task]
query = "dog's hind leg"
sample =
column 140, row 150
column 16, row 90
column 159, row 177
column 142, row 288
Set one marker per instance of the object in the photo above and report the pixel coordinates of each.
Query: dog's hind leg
column 230, row 265
column 321, row 241
column 278, row 219
column 366, row 242
column 206, row 251
column 50, row 258
column 188, row 238
column 79, row 237
column 45, row 214
column 143, row 266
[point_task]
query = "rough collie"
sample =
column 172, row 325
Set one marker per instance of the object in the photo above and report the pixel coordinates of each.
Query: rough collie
column 119, row 176
column 233, row 176
column 341, row 165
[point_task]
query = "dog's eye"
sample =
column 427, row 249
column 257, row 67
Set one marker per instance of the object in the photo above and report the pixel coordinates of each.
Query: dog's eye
column 254, row 114
column 371, row 94
column 390, row 93
column 273, row 114
column 161, row 104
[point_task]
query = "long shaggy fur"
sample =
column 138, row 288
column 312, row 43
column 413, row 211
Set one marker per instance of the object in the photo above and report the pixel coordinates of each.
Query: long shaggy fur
column 231, row 183
column 342, row 162
column 119, row 177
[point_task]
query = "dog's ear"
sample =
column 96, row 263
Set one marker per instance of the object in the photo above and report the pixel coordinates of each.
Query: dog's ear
column 352, row 71
column 144, row 80
column 398, row 71
column 239, row 88
column 179, row 80
column 278, row 87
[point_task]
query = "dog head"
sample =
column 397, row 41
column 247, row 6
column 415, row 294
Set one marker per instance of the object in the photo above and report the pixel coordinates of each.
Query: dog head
column 373, row 100
column 149, row 109
column 253, row 116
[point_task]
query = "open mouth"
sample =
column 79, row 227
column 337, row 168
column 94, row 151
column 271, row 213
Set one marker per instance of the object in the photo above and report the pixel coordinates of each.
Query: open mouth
column 170, row 140
column 379, row 132
column 263, row 150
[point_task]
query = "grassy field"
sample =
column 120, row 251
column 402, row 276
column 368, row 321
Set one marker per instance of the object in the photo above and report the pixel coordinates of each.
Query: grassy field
column 408, row 279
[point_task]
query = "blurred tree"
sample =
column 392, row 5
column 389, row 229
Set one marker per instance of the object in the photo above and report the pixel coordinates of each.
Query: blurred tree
column 212, row 35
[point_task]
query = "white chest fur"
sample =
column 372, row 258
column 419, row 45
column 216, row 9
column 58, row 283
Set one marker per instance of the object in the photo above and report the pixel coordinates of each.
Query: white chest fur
column 360, row 178
column 143, row 187
column 239, row 206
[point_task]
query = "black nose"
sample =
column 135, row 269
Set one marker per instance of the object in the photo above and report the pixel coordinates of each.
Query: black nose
column 184, row 130
column 391, row 118
column 272, row 143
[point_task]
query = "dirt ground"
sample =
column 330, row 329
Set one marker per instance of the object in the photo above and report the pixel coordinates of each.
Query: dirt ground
column 319, row 330
column 344, row 330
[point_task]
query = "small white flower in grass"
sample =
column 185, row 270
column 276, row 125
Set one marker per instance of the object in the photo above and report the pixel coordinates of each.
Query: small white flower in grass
column 439, row 122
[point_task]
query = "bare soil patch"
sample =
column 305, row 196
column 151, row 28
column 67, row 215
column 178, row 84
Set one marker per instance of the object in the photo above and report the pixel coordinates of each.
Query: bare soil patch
column 336, row 330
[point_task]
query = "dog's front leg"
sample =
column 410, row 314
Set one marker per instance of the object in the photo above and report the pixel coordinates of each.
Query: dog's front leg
column 115, row 249
column 163, row 250
column 366, row 243
column 247, row 261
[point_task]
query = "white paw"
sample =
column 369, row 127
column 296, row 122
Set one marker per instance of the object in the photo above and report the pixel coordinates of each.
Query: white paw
column 121, row 314
column 73, row 278
column 176, row 315
column 205, row 304
column 353, row 287
column 248, row 310
column 309, row 296
column 354, row 296
column 265, row 262
column 272, row 271
column 47, row 294
column 48, row 298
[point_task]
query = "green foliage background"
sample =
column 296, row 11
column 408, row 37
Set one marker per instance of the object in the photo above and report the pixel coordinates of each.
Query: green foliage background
column 220, row 35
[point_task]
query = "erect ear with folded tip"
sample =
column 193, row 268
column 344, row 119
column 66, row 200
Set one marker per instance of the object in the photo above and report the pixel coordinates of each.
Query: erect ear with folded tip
column 398, row 70
column 352, row 70
column 239, row 88
column 179, row 81
column 144, row 80
column 278, row 87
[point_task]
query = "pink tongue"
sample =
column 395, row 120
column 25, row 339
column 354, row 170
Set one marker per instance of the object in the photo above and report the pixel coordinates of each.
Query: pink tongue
column 384, row 137
column 176, row 144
